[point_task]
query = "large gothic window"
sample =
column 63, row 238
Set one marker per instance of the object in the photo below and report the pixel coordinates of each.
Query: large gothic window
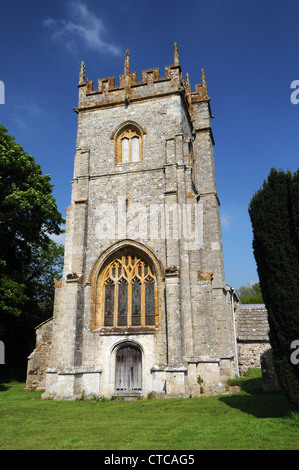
column 128, row 290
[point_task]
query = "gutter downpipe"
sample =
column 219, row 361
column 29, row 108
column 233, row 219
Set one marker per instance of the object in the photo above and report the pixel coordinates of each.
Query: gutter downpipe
column 235, row 337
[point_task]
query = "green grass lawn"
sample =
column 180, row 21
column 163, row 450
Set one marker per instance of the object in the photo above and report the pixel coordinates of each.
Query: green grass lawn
column 247, row 420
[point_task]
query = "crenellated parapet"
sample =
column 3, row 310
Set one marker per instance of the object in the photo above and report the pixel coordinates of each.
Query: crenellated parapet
column 129, row 89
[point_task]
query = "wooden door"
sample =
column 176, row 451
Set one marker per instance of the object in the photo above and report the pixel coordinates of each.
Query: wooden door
column 128, row 370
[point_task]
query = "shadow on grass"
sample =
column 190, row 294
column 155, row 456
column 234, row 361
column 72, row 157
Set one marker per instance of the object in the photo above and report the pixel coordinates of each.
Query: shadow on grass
column 253, row 400
column 3, row 387
column 11, row 374
column 261, row 405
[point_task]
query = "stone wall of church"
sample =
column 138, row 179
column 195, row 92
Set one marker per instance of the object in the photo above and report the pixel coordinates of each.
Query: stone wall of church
column 252, row 340
column 38, row 361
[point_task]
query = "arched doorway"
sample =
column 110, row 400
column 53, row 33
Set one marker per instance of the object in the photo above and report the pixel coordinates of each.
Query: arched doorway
column 128, row 370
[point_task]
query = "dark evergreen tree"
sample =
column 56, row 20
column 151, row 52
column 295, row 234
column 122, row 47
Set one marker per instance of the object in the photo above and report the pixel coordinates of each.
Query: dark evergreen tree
column 274, row 213
column 28, row 216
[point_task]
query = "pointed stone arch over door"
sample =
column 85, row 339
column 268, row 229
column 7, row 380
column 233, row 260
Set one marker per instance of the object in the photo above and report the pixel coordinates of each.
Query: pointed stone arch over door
column 128, row 370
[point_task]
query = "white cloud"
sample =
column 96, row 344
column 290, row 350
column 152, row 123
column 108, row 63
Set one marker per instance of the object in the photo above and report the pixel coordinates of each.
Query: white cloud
column 83, row 26
column 29, row 108
column 24, row 111
column 20, row 121
column 226, row 219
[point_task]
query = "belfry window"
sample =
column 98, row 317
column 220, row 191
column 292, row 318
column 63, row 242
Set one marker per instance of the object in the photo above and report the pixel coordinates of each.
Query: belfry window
column 128, row 290
column 129, row 145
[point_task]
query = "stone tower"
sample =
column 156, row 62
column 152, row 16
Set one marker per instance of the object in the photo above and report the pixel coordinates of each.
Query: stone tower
column 142, row 306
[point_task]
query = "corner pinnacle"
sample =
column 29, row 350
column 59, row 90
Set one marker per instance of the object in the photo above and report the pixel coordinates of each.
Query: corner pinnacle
column 187, row 82
column 176, row 54
column 82, row 75
column 127, row 63
column 203, row 79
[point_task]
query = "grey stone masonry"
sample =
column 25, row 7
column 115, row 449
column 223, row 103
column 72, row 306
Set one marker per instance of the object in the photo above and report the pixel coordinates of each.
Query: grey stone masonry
column 39, row 358
column 251, row 334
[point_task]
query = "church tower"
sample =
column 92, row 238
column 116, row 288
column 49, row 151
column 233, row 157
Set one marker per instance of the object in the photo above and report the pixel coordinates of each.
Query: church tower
column 142, row 306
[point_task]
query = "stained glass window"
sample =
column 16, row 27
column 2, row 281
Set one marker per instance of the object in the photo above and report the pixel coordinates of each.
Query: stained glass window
column 109, row 304
column 150, row 302
column 136, row 303
column 122, row 304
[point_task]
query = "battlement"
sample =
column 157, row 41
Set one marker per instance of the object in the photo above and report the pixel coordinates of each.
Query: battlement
column 129, row 89
column 172, row 74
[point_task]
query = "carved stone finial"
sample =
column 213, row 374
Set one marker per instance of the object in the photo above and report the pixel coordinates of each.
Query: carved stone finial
column 204, row 88
column 127, row 63
column 187, row 82
column 176, row 54
column 188, row 96
column 82, row 75
column 127, row 79
column 203, row 79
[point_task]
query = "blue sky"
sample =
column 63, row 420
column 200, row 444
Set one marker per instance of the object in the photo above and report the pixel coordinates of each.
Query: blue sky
column 248, row 49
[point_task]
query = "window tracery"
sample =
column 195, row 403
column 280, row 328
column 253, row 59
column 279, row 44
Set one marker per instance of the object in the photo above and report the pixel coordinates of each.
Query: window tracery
column 128, row 290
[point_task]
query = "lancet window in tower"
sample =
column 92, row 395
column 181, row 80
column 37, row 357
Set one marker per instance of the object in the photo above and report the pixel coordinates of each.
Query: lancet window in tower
column 129, row 145
column 129, row 293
